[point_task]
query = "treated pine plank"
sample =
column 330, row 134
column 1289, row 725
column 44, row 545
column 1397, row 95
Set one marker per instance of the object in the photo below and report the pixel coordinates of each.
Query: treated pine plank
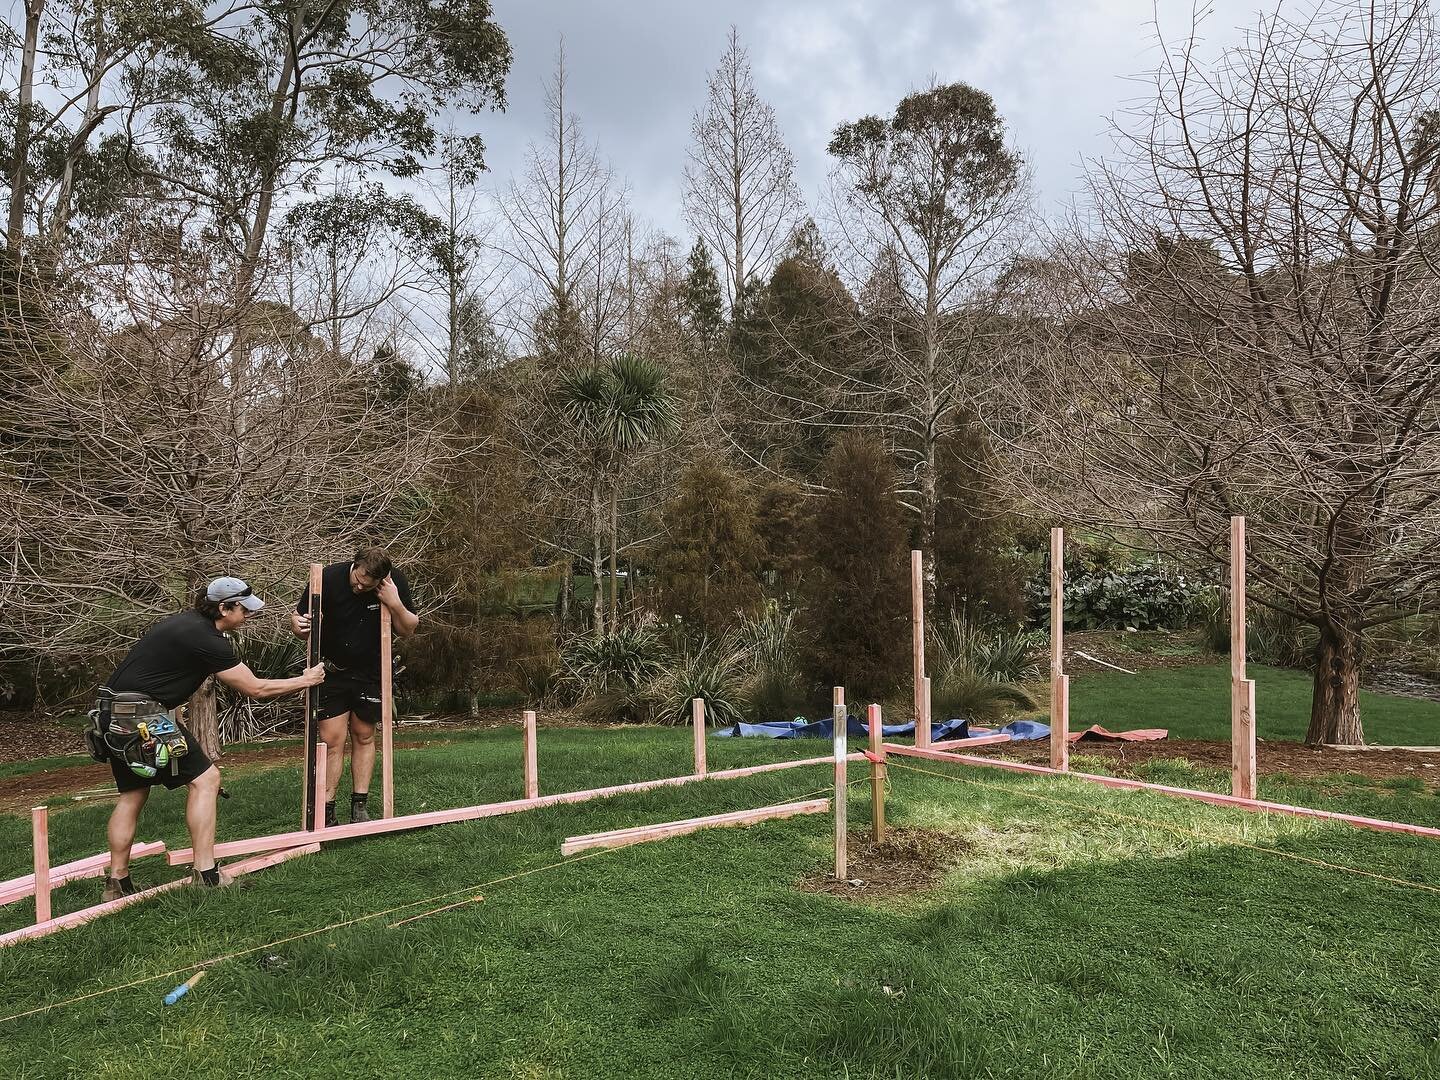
column 40, row 837
column 387, row 716
column 1210, row 797
column 532, row 756
column 404, row 823
column 665, row 830
column 90, row 866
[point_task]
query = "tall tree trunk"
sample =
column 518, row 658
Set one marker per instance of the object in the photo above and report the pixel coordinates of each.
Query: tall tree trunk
column 615, row 557
column 25, row 94
column 202, row 717
column 60, row 218
column 1335, row 704
column 597, row 552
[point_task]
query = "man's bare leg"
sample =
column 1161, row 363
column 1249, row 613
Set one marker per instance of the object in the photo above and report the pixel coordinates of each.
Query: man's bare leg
column 332, row 734
column 362, row 755
column 200, row 803
column 124, row 820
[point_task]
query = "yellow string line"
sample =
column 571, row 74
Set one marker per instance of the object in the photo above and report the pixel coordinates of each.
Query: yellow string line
column 341, row 925
column 1180, row 829
column 299, row 937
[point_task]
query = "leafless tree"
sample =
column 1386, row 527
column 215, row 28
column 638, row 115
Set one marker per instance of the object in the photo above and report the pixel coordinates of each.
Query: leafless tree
column 139, row 459
column 740, row 193
column 1250, row 324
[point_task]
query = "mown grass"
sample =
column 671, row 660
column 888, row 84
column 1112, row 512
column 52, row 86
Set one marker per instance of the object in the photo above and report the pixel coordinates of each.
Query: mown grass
column 1194, row 703
column 1086, row 933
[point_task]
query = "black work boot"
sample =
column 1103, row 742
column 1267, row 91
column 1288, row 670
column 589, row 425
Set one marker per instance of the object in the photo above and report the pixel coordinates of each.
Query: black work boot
column 115, row 888
column 359, row 806
column 330, row 819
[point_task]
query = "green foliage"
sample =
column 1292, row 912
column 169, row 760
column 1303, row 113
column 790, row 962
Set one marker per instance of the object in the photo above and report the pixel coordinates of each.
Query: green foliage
column 279, row 655
column 771, row 646
column 963, row 693
column 620, row 662
column 979, row 566
column 1280, row 640
column 704, row 306
column 1148, row 595
column 717, row 671
column 857, row 595
column 619, row 405
column 999, row 654
column 707, row 565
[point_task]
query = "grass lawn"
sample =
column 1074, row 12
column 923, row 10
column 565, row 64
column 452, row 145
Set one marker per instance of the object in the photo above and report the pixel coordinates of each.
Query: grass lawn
column 1083, row 933
column 1194, row 703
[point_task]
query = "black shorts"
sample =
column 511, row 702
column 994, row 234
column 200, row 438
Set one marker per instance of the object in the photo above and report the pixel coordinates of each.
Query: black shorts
column 191, row 766
column 342, row 693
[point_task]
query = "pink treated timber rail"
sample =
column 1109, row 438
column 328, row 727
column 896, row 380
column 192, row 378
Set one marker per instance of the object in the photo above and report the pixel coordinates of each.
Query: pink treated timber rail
column 407, row 822
column 617, row 838
column 90, row 866
column 1211, row 797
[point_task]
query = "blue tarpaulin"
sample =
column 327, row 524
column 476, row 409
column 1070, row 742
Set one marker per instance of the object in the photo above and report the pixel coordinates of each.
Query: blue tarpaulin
column 800, row 728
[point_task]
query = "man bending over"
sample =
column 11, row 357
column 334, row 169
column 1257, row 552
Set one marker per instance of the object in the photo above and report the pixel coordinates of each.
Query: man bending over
column 139, row 723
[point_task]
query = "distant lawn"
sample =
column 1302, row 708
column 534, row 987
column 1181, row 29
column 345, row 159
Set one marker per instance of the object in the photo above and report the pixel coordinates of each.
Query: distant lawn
column 1194, row 703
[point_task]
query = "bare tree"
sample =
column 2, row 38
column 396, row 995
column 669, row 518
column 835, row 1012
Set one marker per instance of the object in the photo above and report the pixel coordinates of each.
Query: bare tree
column 1252, row 326
column 740, row 192
column 129, row 474
column 554, row 219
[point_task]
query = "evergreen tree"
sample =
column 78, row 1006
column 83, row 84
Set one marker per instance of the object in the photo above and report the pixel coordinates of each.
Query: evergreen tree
column 858, row 601
column 704, row 307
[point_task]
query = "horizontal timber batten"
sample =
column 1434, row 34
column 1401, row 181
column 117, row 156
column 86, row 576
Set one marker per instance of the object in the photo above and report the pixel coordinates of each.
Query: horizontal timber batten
column 667, row 829
column 1211, row 797
column 88, row 867
column 259, row 844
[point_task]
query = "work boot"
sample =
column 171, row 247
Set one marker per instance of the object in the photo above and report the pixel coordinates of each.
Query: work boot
column 359, row 808
column 115, row 888
column 330, row 819
column 214, row 878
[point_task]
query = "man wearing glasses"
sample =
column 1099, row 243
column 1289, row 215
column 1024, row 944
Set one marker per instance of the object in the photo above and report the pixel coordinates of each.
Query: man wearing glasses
column 139, row 725
column 351, row 595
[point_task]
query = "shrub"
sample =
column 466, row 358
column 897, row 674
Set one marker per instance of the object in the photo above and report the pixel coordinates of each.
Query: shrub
column 964, row 693
column 717, row 671
column 1005, row 656
column 1149, row 595
column 770, row 645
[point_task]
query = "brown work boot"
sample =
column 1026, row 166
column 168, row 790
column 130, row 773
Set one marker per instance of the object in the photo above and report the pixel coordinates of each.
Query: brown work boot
column 115, row 888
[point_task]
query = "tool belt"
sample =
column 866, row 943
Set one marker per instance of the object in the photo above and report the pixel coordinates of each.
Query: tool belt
column 136, row 730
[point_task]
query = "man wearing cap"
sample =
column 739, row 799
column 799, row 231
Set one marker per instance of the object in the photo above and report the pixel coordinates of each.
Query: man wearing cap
column 158, row 675
column 351, row 595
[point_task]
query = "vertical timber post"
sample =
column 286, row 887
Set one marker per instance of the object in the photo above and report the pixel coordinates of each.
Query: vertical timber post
column 877, row 775
column 387, row 716
column 1242, row 690
column 838, row 722
column 322, row 789
column 312, row 701
column 697, row 721
column 532, row 757
column 917, row 645
column 40, row 835
column 1059, row 681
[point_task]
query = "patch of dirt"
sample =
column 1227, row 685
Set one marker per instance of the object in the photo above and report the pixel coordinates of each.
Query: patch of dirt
column 1295, row 759
column 907, row 861
column 23, row 738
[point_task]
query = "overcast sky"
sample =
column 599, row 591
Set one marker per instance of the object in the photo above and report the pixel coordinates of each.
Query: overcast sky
column 637, row 72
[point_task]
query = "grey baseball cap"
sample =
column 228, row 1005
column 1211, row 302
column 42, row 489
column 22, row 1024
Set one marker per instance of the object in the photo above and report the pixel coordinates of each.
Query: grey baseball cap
column 225, row 589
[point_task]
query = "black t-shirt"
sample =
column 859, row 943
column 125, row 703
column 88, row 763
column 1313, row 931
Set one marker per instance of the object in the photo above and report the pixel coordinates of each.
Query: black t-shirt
column 350, row 621
column 173, row 658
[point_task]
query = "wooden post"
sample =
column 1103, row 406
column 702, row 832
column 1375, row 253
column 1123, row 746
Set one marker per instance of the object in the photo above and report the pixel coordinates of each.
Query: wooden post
column 841, row 844
column 877, row 775
column 697, row 722
column 312, row 701
column 1242, row 690
column 1059, row 681
column 917, row 645
column 322, row 789
column 532, row 758
column 387, row 718
column 40, row 834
